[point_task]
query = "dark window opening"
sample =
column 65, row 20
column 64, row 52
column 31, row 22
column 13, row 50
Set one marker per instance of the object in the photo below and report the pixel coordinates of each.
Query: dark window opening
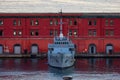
column 1, row 32
column 70, row 32
column 14, row 23
column 36, row 33
column 75, row 22
column 56, row 22
column 106, row 22
column 107, row 32
column 90, row 32
column 94, row 33
column 32, row 33
column 95, row 22
column 90, row 22
column 92, row 49
column 55, row 33
column 51, row 32
column 111, row 23
column 1, row 22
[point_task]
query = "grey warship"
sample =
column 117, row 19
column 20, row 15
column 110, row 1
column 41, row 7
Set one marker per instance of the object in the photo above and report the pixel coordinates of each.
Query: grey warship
column 61, row 53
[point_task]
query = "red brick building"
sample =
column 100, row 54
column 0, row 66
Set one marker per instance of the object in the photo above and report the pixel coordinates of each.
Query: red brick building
column 32, row 32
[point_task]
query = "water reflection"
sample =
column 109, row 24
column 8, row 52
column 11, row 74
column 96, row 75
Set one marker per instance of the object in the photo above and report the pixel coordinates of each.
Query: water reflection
column 109, row 63
column 61, row 72
column 98, row 65
column 92, row 63
column 36, row 69
column 89, row 65
column 23, row 64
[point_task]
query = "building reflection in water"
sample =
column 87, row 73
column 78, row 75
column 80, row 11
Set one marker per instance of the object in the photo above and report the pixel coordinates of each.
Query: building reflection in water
column 92, row 63
column 109, row 63
column 23, row 64
column 87, row 65
column 98, row 64
column 95, row 64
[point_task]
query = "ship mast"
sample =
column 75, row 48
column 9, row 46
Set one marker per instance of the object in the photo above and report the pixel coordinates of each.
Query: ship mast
column 61, row 34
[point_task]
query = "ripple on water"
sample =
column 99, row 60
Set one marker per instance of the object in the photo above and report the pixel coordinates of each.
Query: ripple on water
column 51, row 76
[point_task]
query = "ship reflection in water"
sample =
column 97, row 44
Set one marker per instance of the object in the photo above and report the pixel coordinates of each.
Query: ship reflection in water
column 61, row 72
column 38, row 69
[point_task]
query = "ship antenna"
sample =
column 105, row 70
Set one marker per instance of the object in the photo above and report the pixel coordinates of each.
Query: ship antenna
column 61, row 34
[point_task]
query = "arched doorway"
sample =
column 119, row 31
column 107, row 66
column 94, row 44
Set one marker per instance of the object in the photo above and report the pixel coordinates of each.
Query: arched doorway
column 109, row 48
column 92, row 49
column 17, row 49
column 34, row 49
column 1, row 49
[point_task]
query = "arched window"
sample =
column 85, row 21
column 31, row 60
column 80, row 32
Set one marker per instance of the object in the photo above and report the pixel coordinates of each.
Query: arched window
column 17, row 49
column 34, row 49
column 109, row 49
column 1, row 49
column 92, row 49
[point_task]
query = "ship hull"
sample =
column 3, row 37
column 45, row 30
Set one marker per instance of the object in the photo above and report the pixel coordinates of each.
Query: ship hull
column 61, row 60
column 59, row 67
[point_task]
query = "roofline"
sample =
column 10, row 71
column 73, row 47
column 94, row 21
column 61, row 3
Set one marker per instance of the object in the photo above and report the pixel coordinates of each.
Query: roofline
column 64, row 14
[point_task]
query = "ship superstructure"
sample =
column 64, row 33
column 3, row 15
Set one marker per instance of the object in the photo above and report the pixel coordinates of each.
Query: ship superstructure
column 61, row 52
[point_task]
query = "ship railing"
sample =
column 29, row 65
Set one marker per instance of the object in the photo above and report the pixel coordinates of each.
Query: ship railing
column 60, row 45
column 60, row 39
column 62, row 42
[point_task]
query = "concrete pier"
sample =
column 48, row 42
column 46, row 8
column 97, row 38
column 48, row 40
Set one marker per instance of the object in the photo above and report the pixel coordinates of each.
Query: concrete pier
column 22, row 56
column 97, row 55
column 45, row 55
